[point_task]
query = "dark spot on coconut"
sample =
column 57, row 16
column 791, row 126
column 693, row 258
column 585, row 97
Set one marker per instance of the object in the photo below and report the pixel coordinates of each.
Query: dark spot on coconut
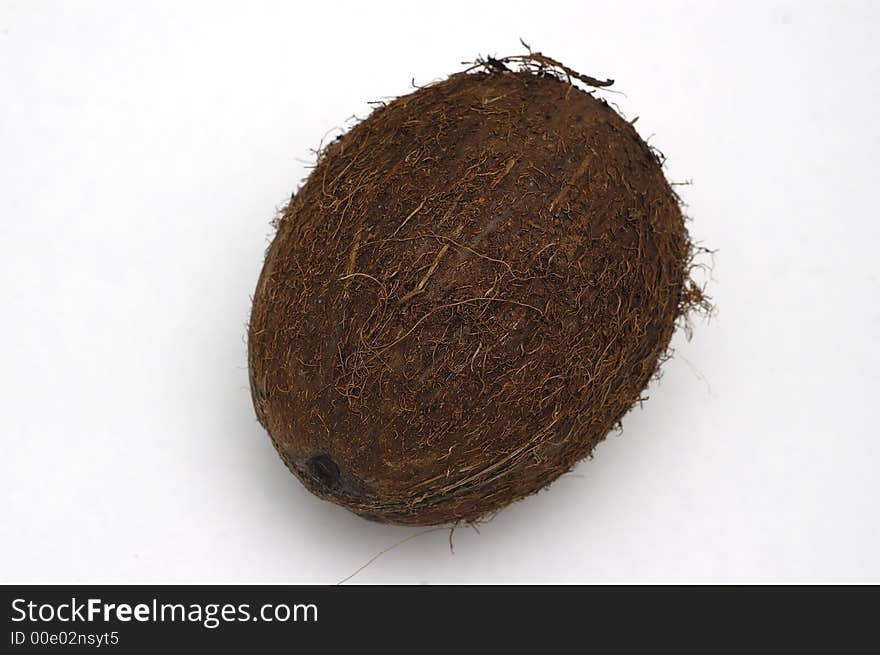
column 468, row 293
column 324, row 470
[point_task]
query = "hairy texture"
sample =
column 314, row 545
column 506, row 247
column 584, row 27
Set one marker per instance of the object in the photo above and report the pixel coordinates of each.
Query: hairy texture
column 470, row 290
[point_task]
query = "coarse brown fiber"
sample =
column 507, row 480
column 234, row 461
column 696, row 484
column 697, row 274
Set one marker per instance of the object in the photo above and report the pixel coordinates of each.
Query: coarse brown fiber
column 468, row 293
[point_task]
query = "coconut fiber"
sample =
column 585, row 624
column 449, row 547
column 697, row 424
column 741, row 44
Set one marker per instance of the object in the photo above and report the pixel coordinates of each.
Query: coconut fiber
column 468, row 293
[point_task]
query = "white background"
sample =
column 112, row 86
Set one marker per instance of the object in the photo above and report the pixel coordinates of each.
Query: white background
column 144, row 148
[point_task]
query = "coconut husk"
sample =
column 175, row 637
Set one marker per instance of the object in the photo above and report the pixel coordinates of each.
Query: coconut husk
column 467, row 294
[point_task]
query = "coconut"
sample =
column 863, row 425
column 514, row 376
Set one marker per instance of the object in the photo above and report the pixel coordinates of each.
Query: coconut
column 467, row 294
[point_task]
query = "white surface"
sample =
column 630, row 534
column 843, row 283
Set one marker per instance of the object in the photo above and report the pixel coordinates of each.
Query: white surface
column 143, row 151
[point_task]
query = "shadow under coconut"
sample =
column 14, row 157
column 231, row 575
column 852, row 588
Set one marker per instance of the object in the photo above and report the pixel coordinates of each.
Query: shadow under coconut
column 359, row 545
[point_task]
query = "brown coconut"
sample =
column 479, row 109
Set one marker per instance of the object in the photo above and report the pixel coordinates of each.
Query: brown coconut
column 468, row 293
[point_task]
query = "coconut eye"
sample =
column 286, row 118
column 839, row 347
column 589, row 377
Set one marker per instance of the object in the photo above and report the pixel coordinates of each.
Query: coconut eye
column 324, row 470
